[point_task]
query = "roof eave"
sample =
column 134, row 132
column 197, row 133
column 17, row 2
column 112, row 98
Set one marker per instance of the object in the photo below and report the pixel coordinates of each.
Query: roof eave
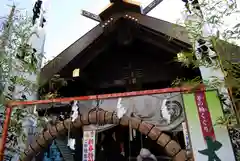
column 167, row 28
column 60, row 61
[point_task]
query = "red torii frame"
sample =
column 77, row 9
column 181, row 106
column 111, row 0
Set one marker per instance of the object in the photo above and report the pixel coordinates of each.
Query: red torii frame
column 13, row 104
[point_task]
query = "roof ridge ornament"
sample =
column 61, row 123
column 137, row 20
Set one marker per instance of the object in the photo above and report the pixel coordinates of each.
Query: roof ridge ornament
column 143, row 11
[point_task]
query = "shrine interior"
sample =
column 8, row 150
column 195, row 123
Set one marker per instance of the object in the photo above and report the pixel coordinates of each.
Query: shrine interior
column 112, row 141
column 132, row 146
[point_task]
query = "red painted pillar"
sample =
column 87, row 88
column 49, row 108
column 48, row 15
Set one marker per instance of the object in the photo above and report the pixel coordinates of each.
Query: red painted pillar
column 5, row 131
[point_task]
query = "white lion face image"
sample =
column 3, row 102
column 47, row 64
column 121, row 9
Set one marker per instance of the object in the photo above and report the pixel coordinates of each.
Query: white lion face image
column 170, row 110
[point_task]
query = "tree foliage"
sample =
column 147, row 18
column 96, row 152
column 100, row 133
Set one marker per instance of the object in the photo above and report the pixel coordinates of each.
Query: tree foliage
column 18, row 60
column 221, row 39
column 18, row 57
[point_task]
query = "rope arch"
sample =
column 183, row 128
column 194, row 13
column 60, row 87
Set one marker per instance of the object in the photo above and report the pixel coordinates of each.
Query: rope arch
column 171, row 147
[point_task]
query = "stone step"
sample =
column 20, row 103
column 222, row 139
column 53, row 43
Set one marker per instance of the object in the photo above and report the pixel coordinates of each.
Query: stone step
column 64, row 149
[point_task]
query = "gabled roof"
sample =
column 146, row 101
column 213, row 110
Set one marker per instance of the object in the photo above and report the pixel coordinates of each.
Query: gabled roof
column 172, row 31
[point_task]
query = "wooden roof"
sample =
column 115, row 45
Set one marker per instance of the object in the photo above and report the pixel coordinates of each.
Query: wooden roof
column 170, row 30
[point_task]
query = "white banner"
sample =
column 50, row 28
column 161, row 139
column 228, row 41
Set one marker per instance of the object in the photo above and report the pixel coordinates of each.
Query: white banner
column 89, row 145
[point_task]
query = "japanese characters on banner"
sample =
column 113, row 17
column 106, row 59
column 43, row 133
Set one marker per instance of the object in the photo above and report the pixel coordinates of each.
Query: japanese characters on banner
column 186, row 136
column 89, row 145
column 204, row 115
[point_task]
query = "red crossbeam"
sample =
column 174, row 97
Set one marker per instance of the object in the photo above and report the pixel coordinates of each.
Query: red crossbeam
column 103, row 96
column 13, row 104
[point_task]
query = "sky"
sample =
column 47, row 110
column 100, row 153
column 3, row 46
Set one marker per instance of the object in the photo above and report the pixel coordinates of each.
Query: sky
column 65, row 24
column 61, row 13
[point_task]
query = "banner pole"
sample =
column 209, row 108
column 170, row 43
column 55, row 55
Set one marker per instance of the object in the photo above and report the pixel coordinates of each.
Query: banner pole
column 5, row 131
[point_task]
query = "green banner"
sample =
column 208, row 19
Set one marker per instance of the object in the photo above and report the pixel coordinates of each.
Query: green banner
column 210, row 142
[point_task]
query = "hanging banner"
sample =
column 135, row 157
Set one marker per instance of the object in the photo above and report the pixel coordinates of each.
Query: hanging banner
column 204, row 115
column 210, row 142
column 89, row 145
column 186, row 136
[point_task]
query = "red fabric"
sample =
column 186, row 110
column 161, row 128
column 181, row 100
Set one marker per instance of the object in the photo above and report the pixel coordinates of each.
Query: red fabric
column 121, row 147
column 204, row 115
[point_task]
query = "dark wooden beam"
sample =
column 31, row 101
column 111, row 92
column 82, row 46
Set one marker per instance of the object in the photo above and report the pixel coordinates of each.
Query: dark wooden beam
column 151, row 6
column 119, row 8
column 159, row 41
column 90, row 15
column 91, row 55
column 60, row 61
column 115, row 1
column 85, row 57
column 167, row 28
column 159, row 44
